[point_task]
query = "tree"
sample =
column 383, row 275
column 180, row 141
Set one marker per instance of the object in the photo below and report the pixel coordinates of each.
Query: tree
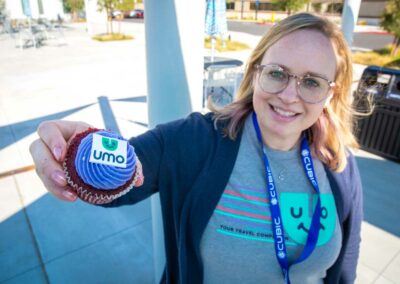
column 2, row 8
column 290, row 5
column 73, row 7
column 113, row 5
column 390, row 21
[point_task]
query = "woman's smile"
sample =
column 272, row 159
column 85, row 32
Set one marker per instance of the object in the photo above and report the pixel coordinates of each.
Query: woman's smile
column 282, row 114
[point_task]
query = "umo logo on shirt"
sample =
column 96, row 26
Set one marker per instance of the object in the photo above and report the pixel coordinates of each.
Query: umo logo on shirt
column 108, row 151
column 297, row 215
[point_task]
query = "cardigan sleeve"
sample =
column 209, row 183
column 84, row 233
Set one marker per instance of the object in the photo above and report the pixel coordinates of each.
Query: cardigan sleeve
column 166, row 147
column 352, row 224
column 347, row 190
column 149, row 150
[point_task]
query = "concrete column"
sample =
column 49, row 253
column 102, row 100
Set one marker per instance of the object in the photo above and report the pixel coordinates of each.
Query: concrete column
column 96, row 21
column 14, row 9
column 350, row 12
column 51, row 8
column 34, row 9
column 174, row 54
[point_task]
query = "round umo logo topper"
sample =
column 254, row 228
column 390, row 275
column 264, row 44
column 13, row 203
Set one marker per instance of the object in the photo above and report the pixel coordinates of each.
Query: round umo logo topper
column 108, row 151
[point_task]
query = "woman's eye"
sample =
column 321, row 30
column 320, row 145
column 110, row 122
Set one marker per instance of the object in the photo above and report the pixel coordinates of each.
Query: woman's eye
column 277, row 75
column 310, row 83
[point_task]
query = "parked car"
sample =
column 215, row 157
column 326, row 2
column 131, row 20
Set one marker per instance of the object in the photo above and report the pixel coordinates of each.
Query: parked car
column 137, row 13
column 115, row 14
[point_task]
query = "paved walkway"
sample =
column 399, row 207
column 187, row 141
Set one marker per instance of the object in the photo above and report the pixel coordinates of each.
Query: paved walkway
column 44, row 240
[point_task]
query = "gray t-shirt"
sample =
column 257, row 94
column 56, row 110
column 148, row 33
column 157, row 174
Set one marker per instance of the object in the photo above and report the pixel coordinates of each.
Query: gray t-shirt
column 237, row 245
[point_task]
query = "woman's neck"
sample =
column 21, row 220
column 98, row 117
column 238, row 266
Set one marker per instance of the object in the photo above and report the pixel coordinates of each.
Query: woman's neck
column 279, row 143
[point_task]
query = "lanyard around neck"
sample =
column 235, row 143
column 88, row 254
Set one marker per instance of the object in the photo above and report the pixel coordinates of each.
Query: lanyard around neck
column 277, row 224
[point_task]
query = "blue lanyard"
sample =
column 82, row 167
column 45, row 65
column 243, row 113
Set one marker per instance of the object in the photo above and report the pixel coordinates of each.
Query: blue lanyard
column 277, row 224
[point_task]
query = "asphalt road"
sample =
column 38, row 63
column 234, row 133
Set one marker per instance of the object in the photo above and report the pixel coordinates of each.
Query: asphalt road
column 361, row 39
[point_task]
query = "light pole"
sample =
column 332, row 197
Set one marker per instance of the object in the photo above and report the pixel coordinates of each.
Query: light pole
column 257, row 5
column 350, row 12
column 241, row 11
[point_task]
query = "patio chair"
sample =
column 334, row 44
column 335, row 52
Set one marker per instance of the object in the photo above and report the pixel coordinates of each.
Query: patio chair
column 221, row 82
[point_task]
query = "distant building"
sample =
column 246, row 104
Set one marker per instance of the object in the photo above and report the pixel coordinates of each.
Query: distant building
column 372, row 8
column 247, row 8
column 49, row 9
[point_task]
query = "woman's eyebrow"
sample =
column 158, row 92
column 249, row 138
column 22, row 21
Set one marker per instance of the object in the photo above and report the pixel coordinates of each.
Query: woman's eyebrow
column 317, row 75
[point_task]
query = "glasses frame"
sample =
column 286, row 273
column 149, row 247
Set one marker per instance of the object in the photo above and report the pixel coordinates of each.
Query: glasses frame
column 260, row 67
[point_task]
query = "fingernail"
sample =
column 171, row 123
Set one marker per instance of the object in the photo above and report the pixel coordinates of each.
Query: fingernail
column 69, row 195
column 59, row 178
column 57, row 151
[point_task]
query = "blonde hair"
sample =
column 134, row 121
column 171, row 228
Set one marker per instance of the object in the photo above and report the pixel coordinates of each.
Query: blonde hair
column 331, row 135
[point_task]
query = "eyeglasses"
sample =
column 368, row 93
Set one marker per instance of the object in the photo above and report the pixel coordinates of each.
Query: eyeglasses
column 310, row 88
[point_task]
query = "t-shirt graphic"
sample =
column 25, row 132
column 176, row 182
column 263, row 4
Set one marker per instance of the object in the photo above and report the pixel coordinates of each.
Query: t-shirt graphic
column 245, row 214
column 296, row 214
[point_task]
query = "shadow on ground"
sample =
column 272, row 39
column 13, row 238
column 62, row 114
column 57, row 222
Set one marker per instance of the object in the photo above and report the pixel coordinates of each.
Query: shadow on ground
column 51, row 241
column 12, row 133
column 381, row 184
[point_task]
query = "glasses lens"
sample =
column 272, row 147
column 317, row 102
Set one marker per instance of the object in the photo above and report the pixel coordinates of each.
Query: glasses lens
column 273, row 79
column 313, row 89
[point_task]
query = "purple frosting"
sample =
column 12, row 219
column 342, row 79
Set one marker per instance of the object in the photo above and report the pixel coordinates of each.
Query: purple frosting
column 101, row 176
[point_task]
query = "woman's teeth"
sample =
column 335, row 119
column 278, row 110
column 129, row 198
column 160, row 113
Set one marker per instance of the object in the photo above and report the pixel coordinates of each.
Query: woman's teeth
column 283, row 112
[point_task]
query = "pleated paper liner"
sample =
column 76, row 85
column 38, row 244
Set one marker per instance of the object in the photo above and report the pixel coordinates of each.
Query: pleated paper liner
column 96, row 196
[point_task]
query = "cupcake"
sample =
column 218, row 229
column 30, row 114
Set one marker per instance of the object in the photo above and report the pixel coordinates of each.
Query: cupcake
column 100, row 166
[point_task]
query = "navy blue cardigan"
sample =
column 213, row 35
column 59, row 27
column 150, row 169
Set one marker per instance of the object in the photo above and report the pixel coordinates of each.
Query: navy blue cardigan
column 189, row 163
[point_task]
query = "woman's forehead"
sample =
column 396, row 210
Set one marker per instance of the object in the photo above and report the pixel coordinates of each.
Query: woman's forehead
column 304, row 51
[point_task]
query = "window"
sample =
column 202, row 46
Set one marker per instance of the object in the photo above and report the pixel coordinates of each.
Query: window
column 230, row 6
column 263, row 7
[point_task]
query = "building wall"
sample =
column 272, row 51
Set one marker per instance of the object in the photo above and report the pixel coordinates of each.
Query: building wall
column 372, row 9
column 368, row 8
column 14, row 9
column 51, row 8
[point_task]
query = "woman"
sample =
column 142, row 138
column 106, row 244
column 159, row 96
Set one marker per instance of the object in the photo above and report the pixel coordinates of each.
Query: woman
column 264, row 190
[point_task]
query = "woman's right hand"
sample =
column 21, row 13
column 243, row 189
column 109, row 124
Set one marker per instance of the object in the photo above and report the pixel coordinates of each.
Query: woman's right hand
column 48, row 153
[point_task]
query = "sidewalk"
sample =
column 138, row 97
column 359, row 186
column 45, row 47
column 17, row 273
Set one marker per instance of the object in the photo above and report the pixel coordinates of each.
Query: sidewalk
column 44, row 240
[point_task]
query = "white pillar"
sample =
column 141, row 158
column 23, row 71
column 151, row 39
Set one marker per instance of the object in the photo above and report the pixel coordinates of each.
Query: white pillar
column 350, row 12
column 14, row 9
column 52, row 8
column 34, row 9
column 96, row 21
column 174, row 55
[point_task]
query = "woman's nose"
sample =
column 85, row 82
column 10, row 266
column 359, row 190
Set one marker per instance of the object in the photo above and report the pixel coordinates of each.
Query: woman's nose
column 290, row 94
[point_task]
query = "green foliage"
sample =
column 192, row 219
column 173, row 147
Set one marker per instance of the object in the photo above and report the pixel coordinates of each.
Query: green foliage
column 126, row 5
column 112, row 5
column 108, row 5
column 390, row 21
column 290, row 5
column 391, row 17
column 73, row 6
